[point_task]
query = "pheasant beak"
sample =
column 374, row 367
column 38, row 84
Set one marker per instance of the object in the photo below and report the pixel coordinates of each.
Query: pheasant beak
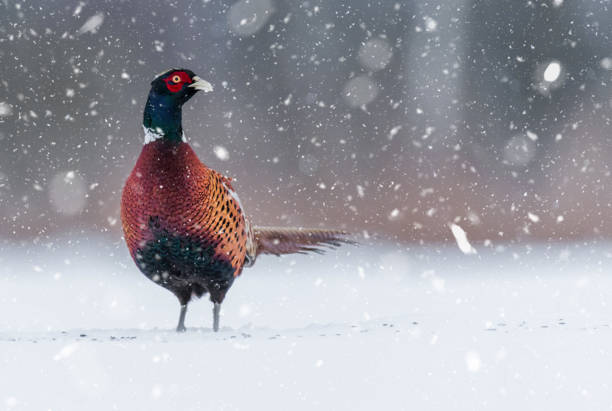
column 200, row 84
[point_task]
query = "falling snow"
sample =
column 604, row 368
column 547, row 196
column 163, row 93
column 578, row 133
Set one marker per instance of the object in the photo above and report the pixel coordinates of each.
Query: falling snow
column 67, row 193
column 464, row 144
column 552, row 72
column 5, row 109
column 92, row 25
column 462, row 240
column 533, row 217
column 360, row 91
column 472, row 361
column 375, row 54
column 221, row 153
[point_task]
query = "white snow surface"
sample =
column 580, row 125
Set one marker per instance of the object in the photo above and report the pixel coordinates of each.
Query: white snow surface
column 381, row 326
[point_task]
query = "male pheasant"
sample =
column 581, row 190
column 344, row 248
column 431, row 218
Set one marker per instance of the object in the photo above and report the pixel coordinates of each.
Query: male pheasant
column 183, row 222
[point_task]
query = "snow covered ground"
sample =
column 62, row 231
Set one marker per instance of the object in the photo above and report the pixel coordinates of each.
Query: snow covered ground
column 369, row 327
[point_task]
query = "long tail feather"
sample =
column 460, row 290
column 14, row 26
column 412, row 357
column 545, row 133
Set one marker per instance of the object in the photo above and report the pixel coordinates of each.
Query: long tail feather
column 277, row 241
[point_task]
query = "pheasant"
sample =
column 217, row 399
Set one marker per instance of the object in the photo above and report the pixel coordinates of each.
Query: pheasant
column 183, row 222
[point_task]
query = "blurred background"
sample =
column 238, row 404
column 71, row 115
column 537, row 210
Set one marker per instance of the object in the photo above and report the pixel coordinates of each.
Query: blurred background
column 391, row 119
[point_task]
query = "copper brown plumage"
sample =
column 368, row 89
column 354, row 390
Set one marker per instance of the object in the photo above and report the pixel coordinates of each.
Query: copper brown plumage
column 185, row 198
column 183, row 222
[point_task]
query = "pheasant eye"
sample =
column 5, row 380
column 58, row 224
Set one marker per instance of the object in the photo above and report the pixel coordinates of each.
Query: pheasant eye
column 175, row 81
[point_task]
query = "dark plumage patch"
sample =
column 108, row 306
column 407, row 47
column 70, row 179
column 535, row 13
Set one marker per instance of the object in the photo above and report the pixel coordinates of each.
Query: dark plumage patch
column 184, row 265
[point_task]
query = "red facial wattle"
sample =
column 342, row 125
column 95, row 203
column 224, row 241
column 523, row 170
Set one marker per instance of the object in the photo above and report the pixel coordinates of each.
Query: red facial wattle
column 176, row 80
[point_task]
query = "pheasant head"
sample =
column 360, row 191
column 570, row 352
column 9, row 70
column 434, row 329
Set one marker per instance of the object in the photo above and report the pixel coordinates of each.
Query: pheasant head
column 163, row 110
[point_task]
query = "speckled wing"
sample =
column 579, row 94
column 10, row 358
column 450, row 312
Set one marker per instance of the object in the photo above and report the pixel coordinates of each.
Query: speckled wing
column 226, row 223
